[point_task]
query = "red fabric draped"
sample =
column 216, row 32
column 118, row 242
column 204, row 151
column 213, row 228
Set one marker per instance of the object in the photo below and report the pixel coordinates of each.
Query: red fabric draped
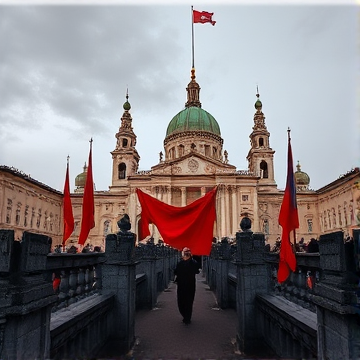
column 88, row 208
column 190, row 226
column 67, row 209
column 289, row 221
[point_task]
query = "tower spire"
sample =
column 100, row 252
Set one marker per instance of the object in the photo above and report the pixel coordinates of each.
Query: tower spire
column 193, row 91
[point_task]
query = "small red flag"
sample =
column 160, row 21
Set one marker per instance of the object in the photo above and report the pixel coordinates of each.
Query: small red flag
column 203, row 17
column 87, row 221
column 289, row 221
column 188, row 226
column 67, row 208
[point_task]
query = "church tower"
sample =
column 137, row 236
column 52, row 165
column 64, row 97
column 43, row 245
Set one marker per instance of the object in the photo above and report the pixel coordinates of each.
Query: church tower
column 261, row 156
column 125, row 156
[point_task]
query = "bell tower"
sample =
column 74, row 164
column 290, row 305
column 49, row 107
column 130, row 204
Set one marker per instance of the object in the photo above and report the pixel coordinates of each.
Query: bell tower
column 125, row 156
column 261, row 156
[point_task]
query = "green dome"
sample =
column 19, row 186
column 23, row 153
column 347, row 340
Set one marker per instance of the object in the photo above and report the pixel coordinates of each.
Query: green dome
column 258, row 104
column 80, row 180
column 191, row 119
column 127, row 106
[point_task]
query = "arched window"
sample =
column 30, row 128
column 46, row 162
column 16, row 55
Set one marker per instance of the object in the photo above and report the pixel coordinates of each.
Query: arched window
column 261, row 142
column 122, row 170
column 264, row 168
column 172, row 153
column 124, row 142
column 181, row 150
column 214, row 152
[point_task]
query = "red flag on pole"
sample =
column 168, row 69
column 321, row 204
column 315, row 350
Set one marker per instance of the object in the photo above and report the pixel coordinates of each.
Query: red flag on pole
column 191, row 226
column 203, row 17
column 88, row 208
column 289, row 221
column 67, row 208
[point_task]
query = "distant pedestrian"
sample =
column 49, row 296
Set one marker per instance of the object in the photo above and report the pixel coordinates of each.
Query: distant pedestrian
column 185, row 272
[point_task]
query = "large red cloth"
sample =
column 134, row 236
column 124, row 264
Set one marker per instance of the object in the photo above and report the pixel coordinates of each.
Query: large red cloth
column 87, row 220
column 189, row 226
column 203, row 17
column 289, row 221
column 67, row 209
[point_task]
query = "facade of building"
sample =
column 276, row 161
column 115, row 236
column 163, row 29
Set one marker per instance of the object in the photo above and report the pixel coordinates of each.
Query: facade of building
column 193, row 163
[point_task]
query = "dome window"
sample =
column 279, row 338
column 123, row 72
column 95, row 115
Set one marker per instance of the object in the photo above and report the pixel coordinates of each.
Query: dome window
column 261, row 142
column 181, row 150
column 214, row 152
column 122, row 171
column 207, row 150
column 124, row 142
column 264, row 169
column 172, row 153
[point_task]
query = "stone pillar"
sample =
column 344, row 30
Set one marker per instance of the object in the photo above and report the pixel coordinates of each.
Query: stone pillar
column 149, row 267
column 183, row 196
column 335, row 299
column 26, row 298
column 252, row 279
column 222, row 211
column 119, row 278
column 222, row 269
column 227, row 210
column 234, row 202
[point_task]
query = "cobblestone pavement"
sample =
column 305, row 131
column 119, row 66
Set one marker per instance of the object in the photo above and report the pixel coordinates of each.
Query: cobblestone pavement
column 161, row 334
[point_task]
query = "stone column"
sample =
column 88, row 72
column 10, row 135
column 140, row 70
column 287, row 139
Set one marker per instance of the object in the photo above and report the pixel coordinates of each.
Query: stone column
column 183, row 196
column 252, row 279
column 234, row 202
column 26, row 298
column 119, row 278
column 222, row 211
column 227, row 210
column 335, row 299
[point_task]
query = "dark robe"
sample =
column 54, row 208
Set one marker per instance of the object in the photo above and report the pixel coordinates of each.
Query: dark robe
column 185, row 277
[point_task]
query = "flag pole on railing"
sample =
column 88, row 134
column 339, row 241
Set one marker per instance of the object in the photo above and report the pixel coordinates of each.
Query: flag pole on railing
column 288, row 220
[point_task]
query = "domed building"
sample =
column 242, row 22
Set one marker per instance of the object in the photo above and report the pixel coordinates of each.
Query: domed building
column 193, row 163
column 302, row 179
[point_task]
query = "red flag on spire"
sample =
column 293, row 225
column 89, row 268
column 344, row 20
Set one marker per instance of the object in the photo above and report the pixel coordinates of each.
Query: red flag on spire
column 67, row 208
column 203, row 17
column 289, row 221
column 87, row 221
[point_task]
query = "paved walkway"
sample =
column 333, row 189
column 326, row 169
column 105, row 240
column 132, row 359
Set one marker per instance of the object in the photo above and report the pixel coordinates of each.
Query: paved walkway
column 161, row 334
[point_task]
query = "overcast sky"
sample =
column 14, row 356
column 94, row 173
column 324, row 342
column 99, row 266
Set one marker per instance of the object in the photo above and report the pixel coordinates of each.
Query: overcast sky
column 64, row 71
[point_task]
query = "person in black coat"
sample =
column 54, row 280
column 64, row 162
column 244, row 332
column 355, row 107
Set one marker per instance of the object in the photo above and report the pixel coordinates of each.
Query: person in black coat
column 185, row 272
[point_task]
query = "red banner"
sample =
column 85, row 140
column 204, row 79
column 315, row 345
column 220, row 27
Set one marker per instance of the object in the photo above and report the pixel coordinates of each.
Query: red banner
column 88, row 208
column 289, row 221
column 189, row 226
column 67, row 209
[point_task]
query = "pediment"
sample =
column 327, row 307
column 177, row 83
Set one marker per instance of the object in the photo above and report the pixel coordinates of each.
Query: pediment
column 192, row 164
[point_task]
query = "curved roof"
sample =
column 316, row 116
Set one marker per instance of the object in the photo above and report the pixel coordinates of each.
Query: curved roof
column 193, row 118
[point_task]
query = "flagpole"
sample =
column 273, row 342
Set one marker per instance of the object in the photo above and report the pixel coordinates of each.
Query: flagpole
column 294, row 233
column 192, row 35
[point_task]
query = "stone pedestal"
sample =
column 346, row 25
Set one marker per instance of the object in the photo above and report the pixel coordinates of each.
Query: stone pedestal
column 25, row 297
column 335, row 299
column 223, row 258
column 252, row 279
column 118, row 277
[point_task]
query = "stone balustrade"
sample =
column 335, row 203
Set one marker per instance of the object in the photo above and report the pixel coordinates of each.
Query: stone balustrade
column 74, row 276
